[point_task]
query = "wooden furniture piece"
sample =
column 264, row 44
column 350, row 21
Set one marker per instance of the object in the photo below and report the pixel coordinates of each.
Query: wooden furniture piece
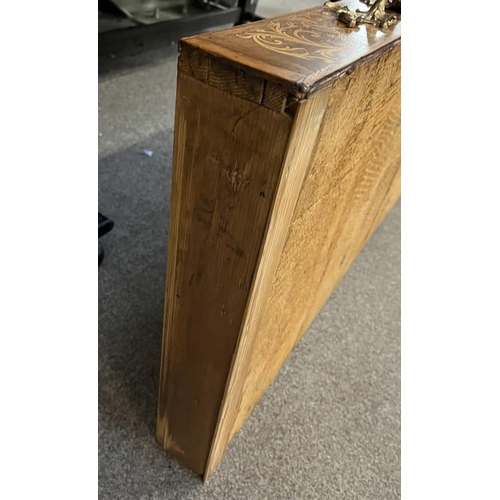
column 287, row 158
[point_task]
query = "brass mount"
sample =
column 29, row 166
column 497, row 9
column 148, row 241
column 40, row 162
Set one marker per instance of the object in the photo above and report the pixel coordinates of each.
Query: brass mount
column 375, row 15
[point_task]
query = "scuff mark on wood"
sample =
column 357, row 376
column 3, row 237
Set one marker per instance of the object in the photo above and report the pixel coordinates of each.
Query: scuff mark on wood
column 236, row 179
column 238, row 120
column 204, row 210
column 172, row 445
column 236, row 249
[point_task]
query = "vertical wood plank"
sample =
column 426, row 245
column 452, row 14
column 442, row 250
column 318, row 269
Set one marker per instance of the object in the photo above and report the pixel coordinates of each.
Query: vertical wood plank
column 353, row 182
column 227, row 161
column 301, row 144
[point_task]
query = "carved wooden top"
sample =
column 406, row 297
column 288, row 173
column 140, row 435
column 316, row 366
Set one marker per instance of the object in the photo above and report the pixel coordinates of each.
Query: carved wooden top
column 302, row 51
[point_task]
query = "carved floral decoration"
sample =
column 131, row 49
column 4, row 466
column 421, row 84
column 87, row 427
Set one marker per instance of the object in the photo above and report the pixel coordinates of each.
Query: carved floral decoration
column 309, row 36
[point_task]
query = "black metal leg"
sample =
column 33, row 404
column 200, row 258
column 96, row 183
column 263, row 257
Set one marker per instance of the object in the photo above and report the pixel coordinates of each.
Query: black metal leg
column 105, row 226
column 248, row 11
column 100, row 252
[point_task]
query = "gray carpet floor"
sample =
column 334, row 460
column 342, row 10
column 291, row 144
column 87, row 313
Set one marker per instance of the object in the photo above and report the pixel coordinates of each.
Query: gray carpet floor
column 328, row 427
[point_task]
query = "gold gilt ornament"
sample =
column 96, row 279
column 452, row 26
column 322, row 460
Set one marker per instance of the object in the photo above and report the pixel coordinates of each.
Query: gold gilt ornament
column 375, row 15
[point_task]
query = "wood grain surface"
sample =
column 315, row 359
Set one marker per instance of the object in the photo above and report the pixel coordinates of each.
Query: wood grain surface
column 353, row 181
column 302, row 51
column 239, row 82
column 227, row 160
column 285, row 162
column 297, row 158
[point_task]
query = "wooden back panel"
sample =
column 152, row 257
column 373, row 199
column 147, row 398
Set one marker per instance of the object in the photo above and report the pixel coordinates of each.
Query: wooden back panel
column 352, row 182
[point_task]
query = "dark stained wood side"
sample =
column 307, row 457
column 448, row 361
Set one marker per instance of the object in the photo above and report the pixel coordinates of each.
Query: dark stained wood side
column 227, row 160
column 302, row 51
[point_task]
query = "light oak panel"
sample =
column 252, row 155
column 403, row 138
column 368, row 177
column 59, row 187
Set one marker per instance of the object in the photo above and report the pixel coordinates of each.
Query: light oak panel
column 352, row 182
